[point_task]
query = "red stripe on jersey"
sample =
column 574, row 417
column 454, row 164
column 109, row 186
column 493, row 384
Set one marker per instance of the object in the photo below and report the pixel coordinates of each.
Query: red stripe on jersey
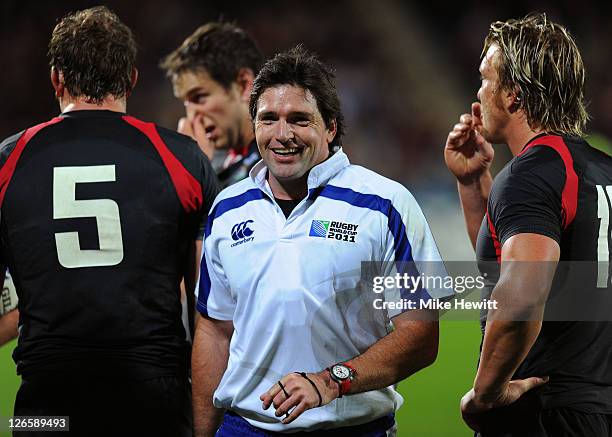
column 6, row 173
column 496, row 242
column 187, row 187
column 569, row 197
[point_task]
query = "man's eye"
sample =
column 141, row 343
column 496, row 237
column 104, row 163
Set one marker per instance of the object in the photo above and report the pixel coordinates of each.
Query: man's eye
column 198, row 98
column 267, row 119
column 302, row 122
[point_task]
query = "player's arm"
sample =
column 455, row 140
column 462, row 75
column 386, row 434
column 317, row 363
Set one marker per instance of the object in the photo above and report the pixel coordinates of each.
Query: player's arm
column 208, row 363
column 412, row 346
column 210, row 190
column 468, row 156
column 9, row 315
column 190, row 280
column 527, row 269
column 8, row 326
column 527, row 214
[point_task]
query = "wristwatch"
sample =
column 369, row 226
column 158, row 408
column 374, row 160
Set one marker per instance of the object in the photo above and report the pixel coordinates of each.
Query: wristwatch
column 344, row 375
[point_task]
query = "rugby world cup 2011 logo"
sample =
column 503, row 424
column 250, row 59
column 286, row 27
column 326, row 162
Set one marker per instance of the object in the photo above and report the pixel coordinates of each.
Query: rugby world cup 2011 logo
column 333, row 229
column 242, row 233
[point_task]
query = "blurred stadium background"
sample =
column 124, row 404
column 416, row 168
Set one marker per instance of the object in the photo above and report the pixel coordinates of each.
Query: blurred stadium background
column 406, row 70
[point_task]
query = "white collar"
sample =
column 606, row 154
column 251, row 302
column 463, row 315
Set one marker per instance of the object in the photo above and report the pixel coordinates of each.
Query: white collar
column 319, row 175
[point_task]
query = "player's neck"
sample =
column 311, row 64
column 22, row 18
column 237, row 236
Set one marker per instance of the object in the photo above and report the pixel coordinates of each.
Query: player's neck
column 68, row 104
column 288, row 189
column 247, row 135
column 519, row 135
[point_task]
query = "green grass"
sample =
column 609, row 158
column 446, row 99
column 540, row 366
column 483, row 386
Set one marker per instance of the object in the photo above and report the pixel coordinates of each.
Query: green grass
column 431, row 407
column 9, row 382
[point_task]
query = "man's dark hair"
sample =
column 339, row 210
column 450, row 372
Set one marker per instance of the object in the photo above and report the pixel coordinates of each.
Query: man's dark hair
column 95, row 53
column 221, row 49
column 301, row 68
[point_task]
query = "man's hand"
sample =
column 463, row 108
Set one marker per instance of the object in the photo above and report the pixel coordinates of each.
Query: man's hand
column 467, row 154
column 472, row 406
column 193, row 125
column 302, row 395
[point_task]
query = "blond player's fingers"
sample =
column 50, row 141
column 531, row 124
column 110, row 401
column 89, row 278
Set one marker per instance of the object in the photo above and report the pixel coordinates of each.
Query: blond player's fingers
column 462, row 127
column 466, row 118
column 476, row 114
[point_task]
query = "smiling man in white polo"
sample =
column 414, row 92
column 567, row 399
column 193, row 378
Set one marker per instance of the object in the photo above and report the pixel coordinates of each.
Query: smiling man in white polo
column 288, row 340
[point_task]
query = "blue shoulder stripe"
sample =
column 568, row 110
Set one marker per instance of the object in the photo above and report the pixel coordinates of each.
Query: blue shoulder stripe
column 230, row 203
column 403, row 250
column 203, row 286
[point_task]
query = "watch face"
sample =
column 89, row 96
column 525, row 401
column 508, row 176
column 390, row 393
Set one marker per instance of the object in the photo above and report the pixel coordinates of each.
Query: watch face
column 341, row 372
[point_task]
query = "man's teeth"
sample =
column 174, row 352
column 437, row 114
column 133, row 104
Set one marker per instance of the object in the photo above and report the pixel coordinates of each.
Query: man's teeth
column 286, row 151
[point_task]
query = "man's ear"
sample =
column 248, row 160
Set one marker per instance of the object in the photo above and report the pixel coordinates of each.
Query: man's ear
column 513, row 100
column 133, row 80
column 244, row 80
column 332, row 129
column 57, row 80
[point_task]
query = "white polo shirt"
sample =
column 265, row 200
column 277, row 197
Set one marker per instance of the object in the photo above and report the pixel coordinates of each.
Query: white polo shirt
column 292, row 285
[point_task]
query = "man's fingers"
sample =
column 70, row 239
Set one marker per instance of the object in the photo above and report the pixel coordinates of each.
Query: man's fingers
column 297, row 411
column 466, row 119
column 287, row 404
column 268, row 396
column 530, row 383
column 476, row 114
column 185, row 128
column 198, row 127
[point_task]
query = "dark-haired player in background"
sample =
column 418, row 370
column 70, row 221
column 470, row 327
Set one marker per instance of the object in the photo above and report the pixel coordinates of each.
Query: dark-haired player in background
column 212, row 73
column 101, row 215
column 550, row 204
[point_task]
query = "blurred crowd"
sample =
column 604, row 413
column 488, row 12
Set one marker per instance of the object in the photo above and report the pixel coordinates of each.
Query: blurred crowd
column 406, row 70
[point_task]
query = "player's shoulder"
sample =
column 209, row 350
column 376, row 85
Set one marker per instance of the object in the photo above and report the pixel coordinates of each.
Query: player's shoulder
column 179, row 144
column 172, row 139
column 8, row 145
column 174, row 136
column 540, row 156
column 9, row 142
column 368, row 182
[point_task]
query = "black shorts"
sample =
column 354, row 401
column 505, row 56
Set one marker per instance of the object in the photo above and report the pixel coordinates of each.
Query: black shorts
column 105, row 406
column 556, row 422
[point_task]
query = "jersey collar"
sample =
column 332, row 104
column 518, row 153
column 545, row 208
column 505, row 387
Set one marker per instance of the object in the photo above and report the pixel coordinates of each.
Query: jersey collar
column 319, row 175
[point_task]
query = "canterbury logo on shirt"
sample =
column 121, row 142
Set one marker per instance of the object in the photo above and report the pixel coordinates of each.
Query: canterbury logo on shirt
column 333, row 229
column 242, row 233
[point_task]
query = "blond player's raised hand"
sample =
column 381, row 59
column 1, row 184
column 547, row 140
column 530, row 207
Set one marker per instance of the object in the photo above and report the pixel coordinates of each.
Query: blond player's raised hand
column 466, row 153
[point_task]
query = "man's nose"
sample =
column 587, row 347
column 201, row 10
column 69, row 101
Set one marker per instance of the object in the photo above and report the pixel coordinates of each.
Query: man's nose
column 193, row 109
column 284, row 133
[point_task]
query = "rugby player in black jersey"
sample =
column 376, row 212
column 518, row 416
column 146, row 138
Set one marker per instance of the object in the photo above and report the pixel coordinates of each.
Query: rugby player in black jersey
column 550, row 205
column 101, row 215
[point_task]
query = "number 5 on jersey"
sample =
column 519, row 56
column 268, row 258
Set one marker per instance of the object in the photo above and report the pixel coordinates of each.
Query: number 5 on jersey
column 106, row 212
column 603, row 245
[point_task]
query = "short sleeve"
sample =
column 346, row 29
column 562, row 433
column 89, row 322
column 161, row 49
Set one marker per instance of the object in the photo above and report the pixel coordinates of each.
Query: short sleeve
column 529, row 198
column 214, row 297
column 410, row 249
